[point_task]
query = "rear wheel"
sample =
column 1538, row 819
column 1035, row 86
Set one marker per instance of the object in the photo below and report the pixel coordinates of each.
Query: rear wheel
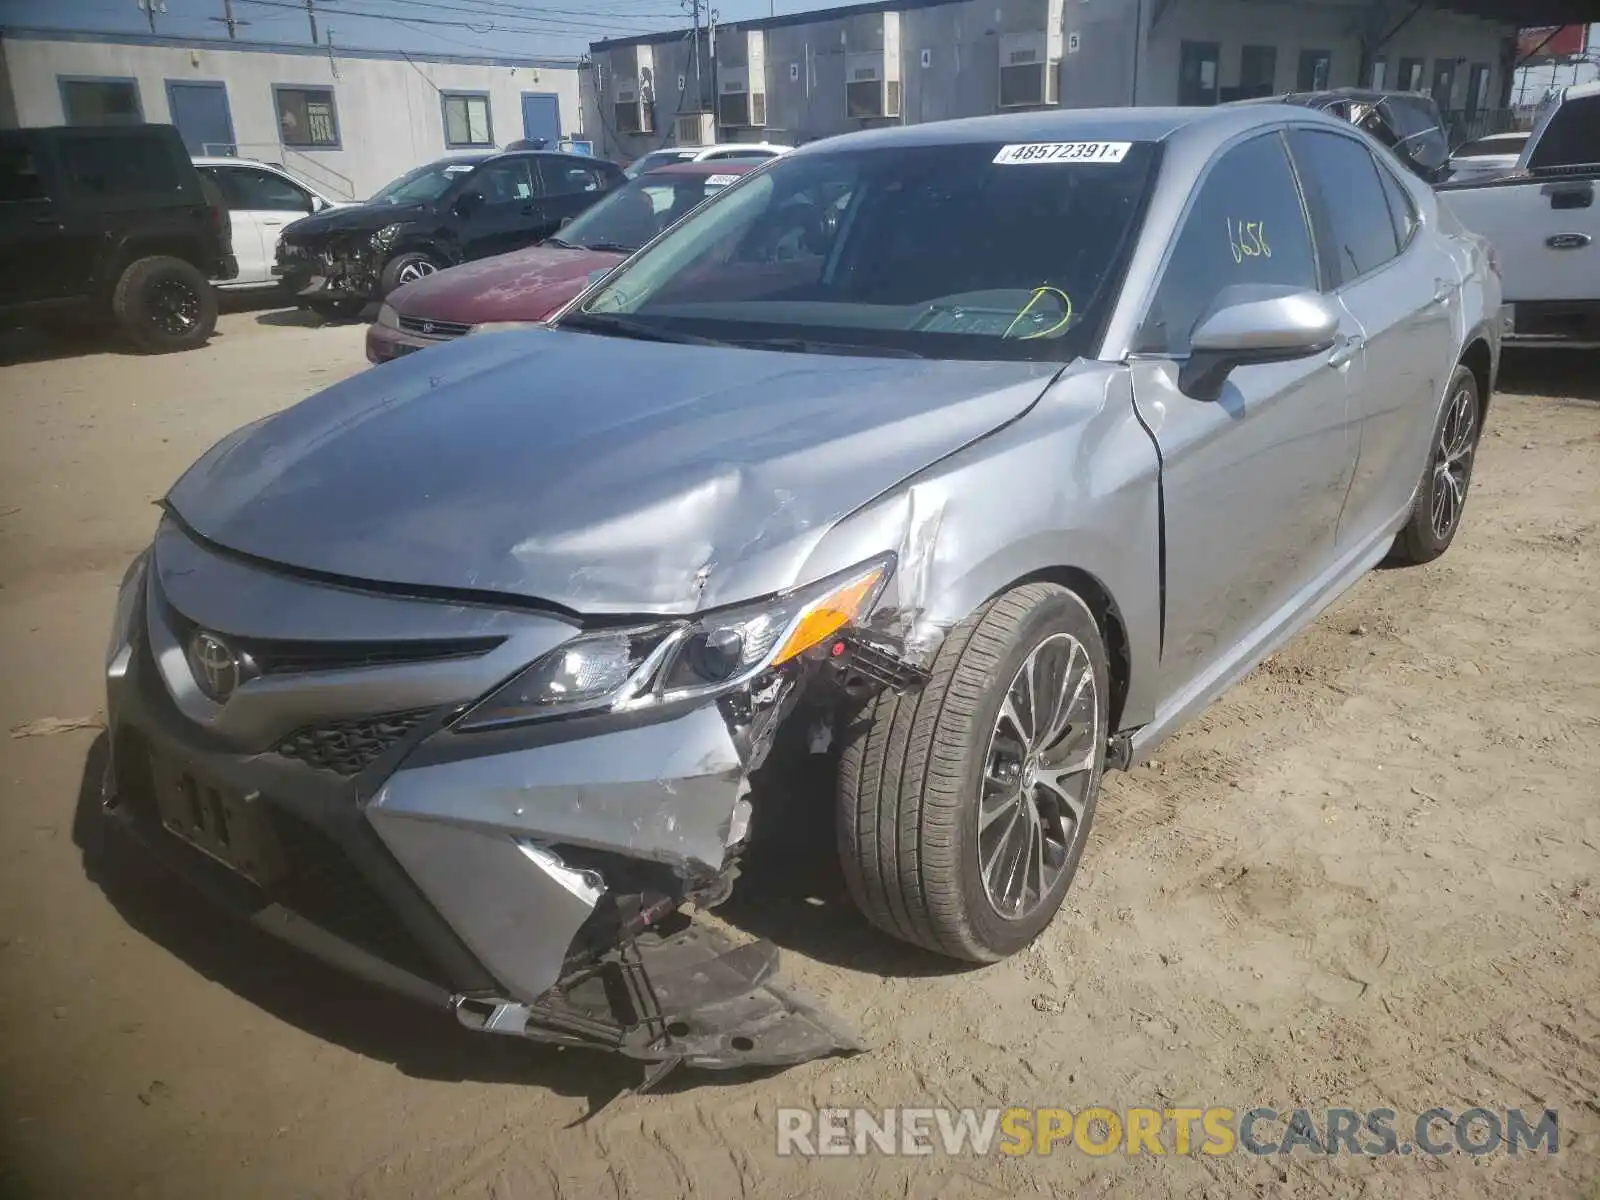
column 964, row 808
column 1442, row 495
column 164, row 304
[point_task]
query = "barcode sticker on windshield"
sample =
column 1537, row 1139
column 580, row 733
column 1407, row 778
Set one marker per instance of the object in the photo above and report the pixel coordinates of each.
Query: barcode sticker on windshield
column 458, row 168
column 719, row 180
column 1054, row 152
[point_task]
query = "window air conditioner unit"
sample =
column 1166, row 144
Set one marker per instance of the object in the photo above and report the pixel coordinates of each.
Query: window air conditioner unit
column 695, row 129
column 1030, row 70
column 742, row 90
column 632, row 114
column 867, row 92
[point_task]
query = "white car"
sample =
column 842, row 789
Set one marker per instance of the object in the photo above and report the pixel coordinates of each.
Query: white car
column 683, row 154
column 262, row 198
column 1492, row 155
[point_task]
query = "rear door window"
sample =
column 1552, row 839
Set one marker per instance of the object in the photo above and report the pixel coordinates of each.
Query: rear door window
column 128, row 167
column 1401, row 207
column 1356, row 229
column 1247, row 225
column 20, row 180
column 1571, row 139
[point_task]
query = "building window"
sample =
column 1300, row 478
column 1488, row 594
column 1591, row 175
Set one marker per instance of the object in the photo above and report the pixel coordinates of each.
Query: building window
column 1198, row 73
column 1410, row 75
column 1316, row 67
column 1380, row 73
column 101, row 101
column 466, row 119
column 306, row 117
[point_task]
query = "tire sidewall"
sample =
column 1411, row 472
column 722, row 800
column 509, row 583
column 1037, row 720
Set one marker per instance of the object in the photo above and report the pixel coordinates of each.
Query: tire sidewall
column 1423, row 514
column 389, row 280
column 136, row 315
column 990, row 933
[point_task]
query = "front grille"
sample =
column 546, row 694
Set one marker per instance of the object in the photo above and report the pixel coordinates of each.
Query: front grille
column 423, row 327
column 325, row 887
column 349, row 747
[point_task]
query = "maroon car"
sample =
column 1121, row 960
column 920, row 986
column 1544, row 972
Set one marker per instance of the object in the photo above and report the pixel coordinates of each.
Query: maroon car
column 529, row 285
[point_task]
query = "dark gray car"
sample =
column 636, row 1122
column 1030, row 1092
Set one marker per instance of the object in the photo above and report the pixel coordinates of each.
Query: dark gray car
column 982, row 455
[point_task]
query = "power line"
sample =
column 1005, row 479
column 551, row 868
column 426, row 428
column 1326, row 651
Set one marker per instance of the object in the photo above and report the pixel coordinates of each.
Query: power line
column 573, row 24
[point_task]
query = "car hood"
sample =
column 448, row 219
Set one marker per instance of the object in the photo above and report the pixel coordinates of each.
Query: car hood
column 357, row 218
column 526, row 285
column 600, row 474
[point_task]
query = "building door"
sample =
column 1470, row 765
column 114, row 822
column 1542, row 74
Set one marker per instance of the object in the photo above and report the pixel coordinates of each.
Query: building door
column 541, row 116
column 1444, row 83
column 200, row 111
column 1197, row 73
column 1316, row 66
column 1258, row 72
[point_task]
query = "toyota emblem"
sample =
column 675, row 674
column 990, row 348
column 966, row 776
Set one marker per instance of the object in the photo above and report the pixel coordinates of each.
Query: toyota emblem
column 217, row 667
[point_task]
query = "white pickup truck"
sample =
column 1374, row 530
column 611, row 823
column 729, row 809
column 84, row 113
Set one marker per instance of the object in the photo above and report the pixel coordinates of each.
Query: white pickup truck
column 1543, row 219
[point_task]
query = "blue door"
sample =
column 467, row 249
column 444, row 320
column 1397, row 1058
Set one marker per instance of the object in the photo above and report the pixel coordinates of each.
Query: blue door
column 200, row 111
column 541, row 116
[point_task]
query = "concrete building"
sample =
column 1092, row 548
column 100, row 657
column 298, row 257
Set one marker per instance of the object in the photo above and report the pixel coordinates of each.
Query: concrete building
column 809, row 75
column 346, row 120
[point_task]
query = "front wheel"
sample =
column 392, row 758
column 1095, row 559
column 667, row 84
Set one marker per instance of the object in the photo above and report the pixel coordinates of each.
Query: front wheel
column 1442, row 494
column 963, row 809
column 164, row 304
column 406, row 268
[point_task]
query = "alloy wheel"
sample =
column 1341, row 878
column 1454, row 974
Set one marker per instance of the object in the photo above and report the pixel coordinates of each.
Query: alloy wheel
column 1037, row 773
column 1452, row 467
column 414, row 270
column 174, row 307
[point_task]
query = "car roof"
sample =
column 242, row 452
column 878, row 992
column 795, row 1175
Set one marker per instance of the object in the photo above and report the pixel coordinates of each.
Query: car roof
column 723, row 166
column 1078, row 124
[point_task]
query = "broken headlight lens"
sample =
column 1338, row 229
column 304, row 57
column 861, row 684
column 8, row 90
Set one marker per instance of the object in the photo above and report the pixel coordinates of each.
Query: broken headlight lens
column 628, row 669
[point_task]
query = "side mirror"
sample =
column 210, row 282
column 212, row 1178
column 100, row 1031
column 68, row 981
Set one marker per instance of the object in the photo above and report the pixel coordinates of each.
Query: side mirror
column 1249, row 324
column 466, row 203
column 318, row 204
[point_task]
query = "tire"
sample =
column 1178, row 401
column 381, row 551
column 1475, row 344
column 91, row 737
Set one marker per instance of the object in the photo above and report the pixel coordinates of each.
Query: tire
column 406, row 268
column 913, row 777
column 1442, row 493
column 164, row 304
column 337, row 310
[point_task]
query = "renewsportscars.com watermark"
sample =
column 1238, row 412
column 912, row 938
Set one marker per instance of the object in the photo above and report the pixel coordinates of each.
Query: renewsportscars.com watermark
column 1099, row 1131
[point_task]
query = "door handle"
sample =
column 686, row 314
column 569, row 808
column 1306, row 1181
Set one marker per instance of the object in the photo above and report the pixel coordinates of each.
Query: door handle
column 272, row 220
column 1345, row 352
column 1568, row 241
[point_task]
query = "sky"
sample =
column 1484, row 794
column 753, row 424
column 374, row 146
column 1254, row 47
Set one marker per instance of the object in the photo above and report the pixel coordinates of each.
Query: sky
column 506, row 27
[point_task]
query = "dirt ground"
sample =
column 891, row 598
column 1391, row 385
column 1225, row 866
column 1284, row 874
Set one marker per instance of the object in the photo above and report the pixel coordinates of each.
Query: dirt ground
column 1369, row 877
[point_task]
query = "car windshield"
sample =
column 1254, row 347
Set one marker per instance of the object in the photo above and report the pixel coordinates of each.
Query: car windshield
column 636, row 212
column 657, row 158
column 977, row 250
column 423, row 184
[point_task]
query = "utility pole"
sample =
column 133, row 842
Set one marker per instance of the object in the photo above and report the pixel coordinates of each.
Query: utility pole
column 227, row 19
column 699, row 90
column 311, row 15
column 150, row 8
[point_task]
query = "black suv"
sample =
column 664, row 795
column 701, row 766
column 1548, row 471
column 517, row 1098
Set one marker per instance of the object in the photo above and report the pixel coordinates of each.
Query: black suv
column 1409, row 123
column 451, row 211
column 111, row 221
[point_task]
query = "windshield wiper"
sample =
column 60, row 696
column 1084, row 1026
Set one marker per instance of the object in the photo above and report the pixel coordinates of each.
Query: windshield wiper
column 609, row 247
column 812, row 346
column 559, row 244
column 615, row 325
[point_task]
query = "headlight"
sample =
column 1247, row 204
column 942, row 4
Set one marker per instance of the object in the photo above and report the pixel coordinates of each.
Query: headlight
column 385, row 237
column 503, row 326
column 281, row 249
column 388, row 317
column 626, row 669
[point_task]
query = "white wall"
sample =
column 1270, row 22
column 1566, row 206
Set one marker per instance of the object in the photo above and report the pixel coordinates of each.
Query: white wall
column 389, row 112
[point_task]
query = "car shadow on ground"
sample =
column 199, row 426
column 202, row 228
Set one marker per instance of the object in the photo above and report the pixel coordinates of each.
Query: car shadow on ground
column 1560, row 374
column 367, row 1020
column 304, row 318
column 791, row 889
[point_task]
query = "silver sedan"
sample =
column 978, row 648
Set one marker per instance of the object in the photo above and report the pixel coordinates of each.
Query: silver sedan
column 979, row 455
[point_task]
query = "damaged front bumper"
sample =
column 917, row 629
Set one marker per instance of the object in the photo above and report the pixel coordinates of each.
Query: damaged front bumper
column 533, row 882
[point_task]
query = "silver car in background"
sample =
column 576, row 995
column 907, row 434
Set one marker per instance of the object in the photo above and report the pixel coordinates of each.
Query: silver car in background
column 988, row 452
